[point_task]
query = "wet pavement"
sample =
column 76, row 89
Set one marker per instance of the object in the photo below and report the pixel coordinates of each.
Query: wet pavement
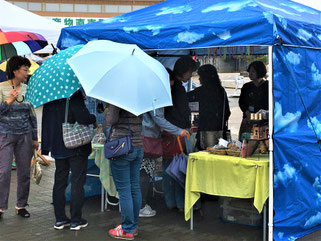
column 166, row 225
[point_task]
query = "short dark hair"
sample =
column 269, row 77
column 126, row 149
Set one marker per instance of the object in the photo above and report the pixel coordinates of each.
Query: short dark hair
column 185, row 64
column 209, row 75
column 259, row 67
column 14, row 64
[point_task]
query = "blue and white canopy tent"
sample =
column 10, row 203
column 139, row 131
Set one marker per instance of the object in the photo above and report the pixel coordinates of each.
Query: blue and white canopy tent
column 292, row 33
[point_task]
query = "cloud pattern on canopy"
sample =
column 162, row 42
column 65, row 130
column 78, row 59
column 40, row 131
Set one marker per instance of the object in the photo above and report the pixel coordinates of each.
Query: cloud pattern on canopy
column 304, row 35
column 231, row 6
column 316, row 125
column 116, row 19
column 287, row 122
column 285, row 176
column 316, row 75
column 175, row 10
column 189, row 37
column 293, row 58
column 223, row 35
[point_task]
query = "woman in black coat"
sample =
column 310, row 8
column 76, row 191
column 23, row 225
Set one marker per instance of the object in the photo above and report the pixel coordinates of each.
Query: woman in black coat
column 66, row 160
column 214, row 109
column 254, row 95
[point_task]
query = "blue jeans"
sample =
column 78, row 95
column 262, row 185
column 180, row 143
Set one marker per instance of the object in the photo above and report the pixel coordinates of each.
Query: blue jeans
column 125, row 171
column 174, row 193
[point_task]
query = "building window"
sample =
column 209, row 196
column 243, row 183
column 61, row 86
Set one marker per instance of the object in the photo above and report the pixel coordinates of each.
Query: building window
column 137, row 7
column 65, row 7
column 111, row 8
column 23, row 5
column 52, row 7
column 34, row 6
column 125, row 8
column 94, row 8
column 81, row 8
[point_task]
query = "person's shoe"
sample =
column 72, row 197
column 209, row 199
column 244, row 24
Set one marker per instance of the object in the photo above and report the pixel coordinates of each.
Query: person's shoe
column 180, row 210
column 78, row 225
column 62, row 224
column 23, row 213
column 119, row 233
column 147, row 211
column 119, row 227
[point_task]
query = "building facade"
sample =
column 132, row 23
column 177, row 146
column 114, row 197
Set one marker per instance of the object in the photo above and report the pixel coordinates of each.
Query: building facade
column 77, row 12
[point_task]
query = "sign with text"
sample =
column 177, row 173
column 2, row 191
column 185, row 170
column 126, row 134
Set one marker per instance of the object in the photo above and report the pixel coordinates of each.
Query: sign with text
column 69, row 21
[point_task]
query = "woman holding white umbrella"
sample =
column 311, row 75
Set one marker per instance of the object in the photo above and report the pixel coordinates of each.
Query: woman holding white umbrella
column 126, row 169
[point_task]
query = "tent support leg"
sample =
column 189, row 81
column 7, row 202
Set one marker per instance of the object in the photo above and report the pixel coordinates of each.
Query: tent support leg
column 191, row 221
column 271, row 148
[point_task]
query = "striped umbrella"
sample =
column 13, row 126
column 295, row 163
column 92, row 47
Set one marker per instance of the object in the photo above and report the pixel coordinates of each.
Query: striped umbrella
column 20, row 43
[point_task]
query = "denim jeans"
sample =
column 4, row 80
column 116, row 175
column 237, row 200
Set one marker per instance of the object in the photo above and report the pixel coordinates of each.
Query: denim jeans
column 125, row 171
column 174, row 193
column 78, row 167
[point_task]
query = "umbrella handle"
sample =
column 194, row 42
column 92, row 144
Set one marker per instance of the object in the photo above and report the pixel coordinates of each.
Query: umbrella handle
column 180, row 145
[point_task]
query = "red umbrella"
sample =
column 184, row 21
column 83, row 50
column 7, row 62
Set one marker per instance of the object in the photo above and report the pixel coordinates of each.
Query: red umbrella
column 20, row 43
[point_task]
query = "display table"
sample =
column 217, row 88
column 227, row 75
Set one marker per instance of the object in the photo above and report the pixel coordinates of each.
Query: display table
column 104, row 166
column 226, row 176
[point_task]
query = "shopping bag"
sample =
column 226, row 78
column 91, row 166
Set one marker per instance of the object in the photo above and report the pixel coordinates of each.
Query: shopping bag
column 36, row 172
column 177, row 166
column 173, row 171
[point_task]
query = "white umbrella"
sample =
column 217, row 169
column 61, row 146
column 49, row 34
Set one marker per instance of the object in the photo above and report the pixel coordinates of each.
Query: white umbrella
column 122, row 75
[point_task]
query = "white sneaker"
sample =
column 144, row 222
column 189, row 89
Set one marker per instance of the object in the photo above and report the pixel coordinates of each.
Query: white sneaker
column 147, row 211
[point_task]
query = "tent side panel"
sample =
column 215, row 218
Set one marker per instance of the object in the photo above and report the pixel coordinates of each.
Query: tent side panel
column 297, row 156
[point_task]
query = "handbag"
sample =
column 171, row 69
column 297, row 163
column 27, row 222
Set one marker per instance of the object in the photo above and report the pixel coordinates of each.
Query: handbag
column 152, row 147
column 118, row 147
column 36, row 172
column 75, row 135
column 170, row 145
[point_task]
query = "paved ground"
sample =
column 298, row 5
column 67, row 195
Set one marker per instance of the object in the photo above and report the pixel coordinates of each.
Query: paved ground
column 166, row 225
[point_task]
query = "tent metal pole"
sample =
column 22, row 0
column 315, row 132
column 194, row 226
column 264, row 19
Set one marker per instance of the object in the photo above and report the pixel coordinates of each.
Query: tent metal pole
column 271, row 147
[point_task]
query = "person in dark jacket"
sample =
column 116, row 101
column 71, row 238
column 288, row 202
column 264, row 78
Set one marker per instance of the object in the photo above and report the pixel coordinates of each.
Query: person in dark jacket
column 254, row 95
column 66, row 160
column 214, row 109
column 179, row 115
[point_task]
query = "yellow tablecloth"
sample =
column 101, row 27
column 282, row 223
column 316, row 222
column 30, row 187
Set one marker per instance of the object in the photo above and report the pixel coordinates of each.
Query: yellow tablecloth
column 104, row 166
column 226, row 176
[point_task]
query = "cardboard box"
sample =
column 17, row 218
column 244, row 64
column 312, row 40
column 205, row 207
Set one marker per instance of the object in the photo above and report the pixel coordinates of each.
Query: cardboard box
column 241, row 211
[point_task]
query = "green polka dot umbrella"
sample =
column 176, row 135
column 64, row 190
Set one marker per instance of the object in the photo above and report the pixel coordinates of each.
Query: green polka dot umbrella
column 54, row 79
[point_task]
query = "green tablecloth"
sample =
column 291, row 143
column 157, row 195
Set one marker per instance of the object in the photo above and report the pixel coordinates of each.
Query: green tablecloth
column 104, row 166
column 226, row 176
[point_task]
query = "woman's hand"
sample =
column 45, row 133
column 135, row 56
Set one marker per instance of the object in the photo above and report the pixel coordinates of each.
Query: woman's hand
column 184, row 133
column 35, row 145
column 13, row 96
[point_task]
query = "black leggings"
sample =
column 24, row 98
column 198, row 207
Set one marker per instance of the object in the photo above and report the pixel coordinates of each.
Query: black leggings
column 144, row 186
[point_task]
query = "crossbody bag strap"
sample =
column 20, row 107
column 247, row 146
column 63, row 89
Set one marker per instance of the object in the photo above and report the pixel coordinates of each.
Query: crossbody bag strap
column 223, row 116
column 66, row 110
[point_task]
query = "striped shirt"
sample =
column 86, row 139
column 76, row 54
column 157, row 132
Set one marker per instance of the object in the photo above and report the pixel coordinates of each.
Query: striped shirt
column 17, row 118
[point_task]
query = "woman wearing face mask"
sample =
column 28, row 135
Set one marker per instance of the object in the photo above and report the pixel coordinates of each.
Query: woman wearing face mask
column 254, row 95
column 18, row 134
